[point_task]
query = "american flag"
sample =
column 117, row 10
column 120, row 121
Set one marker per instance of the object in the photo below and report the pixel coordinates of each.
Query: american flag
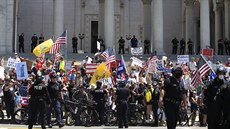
column 105, row 54
column 57, row 44
column 90, row 68
column 202, row 69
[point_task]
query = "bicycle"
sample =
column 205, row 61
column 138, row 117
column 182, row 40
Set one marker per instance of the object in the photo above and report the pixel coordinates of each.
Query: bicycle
column 1, row 109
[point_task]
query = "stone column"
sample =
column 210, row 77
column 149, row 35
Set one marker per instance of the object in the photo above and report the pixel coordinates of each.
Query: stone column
column 157, row 27
column 109, row 23
column 204, row 24
column 227, row 18
column 101, row 18
column 218, row 24
column 189, row 22
column 58, row 20
column 147, row 19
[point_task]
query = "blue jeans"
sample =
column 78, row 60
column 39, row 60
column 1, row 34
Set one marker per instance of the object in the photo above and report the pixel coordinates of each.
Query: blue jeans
column 56, row 104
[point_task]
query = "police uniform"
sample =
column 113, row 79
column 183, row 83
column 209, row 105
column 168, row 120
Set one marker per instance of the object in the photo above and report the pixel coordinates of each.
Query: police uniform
column 99, row 96
column 190, row 44
column 175, row 45
column 123, row 94
column 74, row 44
column 182, row 46
column 54, row 89
column 174, row 92
column 213, row 105
column 147, row 46
column 121, row 45
column 37, row 104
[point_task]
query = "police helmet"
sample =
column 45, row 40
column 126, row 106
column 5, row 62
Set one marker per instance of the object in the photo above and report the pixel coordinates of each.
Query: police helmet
column 39, row 78
column 177, row 71
column 220, row 69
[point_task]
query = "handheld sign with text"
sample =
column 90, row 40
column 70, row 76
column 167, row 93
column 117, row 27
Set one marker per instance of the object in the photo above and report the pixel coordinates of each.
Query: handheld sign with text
column 207, row 52
column 182, row 58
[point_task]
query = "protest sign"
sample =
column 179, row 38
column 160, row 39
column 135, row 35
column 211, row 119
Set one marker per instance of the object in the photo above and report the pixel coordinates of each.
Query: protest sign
column 182, row 58
column 11, row 62
column 137, row 51
column 68, row 65
column 159, row 65
column 98, row 45
column 207, row 52
column 29, row 63
column 136, row 61
column 152, row 66
column 21, row 71
column 107, row 81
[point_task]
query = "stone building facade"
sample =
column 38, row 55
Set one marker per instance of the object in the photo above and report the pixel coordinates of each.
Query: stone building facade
column 204, row 21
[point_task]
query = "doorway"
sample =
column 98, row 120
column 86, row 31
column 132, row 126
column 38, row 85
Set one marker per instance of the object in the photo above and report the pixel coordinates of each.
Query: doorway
column 94, row 36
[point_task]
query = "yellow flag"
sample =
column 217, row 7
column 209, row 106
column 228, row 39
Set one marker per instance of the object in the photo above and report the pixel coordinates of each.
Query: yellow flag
column 43, row 47
column 100, row 73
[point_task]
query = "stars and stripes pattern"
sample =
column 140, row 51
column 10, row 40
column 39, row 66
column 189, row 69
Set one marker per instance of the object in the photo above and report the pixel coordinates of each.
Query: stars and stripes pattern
column 91, row 68
column 57, row 44
column 109, row 57
column 105, row 54
column 202, row 69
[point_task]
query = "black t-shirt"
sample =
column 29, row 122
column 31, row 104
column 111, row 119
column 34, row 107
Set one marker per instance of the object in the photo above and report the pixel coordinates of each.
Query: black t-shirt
column 123, row 94
column 121, row 42
column 174, row 89
column 9, row 93
column 134, row 42
column 21, row 39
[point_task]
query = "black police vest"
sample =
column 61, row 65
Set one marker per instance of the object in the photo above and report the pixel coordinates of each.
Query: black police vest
column 38, row 91
column 54, row 90
column 174, row 90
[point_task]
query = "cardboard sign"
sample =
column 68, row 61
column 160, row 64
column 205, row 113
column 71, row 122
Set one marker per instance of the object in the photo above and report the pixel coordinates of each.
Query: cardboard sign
column 137, row 61
column 68, row 66
column 207, row 52
column 182, row 58
column 159, row 66
column 29, row 63
column 152, row 66
column 137, row 51
column 21, row 71
column 98, row 45
column 107, row 81
column 11, row 62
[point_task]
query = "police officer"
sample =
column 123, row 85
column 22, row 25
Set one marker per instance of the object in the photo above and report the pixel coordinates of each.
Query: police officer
column 175, row 45
column 21, row 43
column 99, row 95
column 74, row 44
column 146, row 46
column 41, row 39
column 220, row 47
column 134, row 42
column 122, row 96
column 155, row 100
column 190, row 44
column 172, row 93
column 34, row 40
column 121, row 42
column 182, row 46
column 54, row 89
column 216, row 96
column 226, row 45
column 37, row 104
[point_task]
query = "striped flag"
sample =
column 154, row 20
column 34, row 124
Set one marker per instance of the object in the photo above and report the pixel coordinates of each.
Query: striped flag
column 90, row 68
column 202, row 69
column 105, row 54
column 57, row 44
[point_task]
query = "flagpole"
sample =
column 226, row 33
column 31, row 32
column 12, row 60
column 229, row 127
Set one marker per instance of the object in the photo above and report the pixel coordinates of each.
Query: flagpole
column 66, row 47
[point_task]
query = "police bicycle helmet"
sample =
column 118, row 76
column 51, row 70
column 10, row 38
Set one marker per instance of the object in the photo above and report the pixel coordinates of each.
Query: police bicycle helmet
column 220, row 69
column 177, row 71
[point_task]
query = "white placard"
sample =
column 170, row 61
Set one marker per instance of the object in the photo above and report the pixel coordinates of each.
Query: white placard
column 137, row 51
column 136, row 61
column 11, row 62
column 164, row 58
column 21, row 71
column 182, row 58
column 107, row 81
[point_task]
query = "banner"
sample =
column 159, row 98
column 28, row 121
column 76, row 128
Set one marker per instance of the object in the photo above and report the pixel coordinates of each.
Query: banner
column 11, row 62
column 100, row 73
column 182, row 58
column 207, row 52
column 21, row 71
column 160, row 66
column 136, row 61
column 137, row 51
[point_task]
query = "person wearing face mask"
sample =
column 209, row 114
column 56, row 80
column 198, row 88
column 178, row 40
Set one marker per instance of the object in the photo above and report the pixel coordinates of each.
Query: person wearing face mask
column 214, row 103
column 171, row 94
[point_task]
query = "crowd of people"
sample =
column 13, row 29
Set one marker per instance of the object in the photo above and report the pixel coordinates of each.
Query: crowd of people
column 49, row 84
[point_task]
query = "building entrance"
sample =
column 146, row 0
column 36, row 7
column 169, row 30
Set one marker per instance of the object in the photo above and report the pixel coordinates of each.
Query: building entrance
column 94, row 36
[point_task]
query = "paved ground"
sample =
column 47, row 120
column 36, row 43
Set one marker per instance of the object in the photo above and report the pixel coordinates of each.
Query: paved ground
column 9, row 126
